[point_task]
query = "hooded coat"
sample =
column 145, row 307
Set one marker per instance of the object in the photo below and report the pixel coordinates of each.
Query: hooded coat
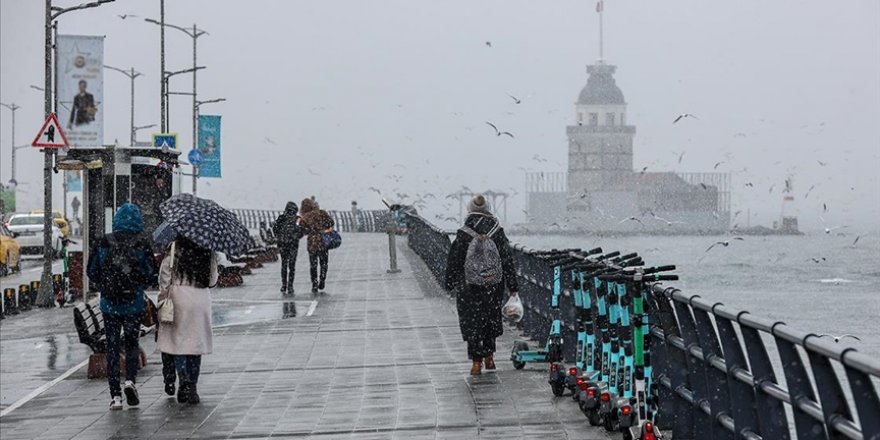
column 287, row 230
column 314, row 222
column 128, row 225
column 479, row 307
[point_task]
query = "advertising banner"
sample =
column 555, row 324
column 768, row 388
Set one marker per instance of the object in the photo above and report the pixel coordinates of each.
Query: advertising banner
column 80, row 71
column 209, row 145
column 73, row 180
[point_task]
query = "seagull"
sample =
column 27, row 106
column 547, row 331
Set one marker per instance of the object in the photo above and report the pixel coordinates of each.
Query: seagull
column 643, row 170
column 737, row 213
column 829, row 230
column 498, row 132
column 515, row 99
column 629, row 219
column 771, row 188
column 822, row 164
column 269, row 141
column 824, row 208
column 684, row 115
column 668, row 223
column 856, row 240
column 375, row 190
column 838, row 338
column 808, row 191
column 724, row 243
column 488, row 44
column 704, row 185
column 312, row 172
column 680, row 156
column 717, row 164
column 124, row 16
column 750, row 184
column 538, row 158
column 817, row 260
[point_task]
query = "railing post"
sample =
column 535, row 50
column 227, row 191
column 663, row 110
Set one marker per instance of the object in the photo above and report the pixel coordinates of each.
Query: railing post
column 392, row 243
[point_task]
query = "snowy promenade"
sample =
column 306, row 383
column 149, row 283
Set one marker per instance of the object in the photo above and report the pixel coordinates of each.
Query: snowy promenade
column 379, row 356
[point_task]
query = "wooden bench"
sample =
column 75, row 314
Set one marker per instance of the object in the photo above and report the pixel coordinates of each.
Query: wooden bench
column 89, row 323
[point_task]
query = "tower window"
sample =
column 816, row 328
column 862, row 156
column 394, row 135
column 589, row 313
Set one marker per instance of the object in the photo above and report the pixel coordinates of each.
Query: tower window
column 594, row 119
column 609, row 119
column 622, row 118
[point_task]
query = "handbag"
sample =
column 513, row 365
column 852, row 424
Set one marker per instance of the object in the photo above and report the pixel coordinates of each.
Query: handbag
column 331, row 239
column 166, row 311
column 150, row 315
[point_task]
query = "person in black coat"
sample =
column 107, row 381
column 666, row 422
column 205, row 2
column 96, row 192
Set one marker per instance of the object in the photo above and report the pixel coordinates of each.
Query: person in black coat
column 288, row 233
column 479, row 307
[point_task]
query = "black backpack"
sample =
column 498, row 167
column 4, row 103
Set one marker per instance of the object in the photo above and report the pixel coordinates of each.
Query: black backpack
column 122, row 275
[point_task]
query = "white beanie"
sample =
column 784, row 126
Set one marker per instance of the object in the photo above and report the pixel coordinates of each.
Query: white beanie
column 479, row 204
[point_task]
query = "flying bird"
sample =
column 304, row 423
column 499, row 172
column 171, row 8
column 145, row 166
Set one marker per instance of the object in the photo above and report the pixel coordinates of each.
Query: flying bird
column 717, row 164
column 817, row 260
column 375, row 190
column 684, row 115
column 488, row 44
column 668, row 223
column 269, row 141
column 631, row 218
column 809, row 191
column 680, row 156
column 838, row 338
column 124, row 16
column 824, row 208
column 499, row 132
column 704, row 185
column 771, row 188
column 312, row 172
column 856, row 240
column 643, row 170
column 750, row 184
column 515, row 99
column 724, row 243
column 538, row 158
column 822, row 164
column 829, row 230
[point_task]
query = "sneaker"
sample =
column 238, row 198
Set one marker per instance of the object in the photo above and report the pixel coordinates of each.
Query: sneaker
column 115, row 403
column 131, row 394
column 169, row 388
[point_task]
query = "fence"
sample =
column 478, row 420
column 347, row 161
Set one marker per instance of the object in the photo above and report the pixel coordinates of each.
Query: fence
column 346, row 221
column 716, row 373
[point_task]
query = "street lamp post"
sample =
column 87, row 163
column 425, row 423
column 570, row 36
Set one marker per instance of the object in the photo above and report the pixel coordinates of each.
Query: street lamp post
column 198, row 106
column 13, row 108
column 131, row 74
column 44, row 298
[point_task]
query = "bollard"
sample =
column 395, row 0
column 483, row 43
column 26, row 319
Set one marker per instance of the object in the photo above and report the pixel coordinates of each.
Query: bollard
column 23, row 299
column 58, row 288
column 392, row 243
column 9, row 302
column 33, row 291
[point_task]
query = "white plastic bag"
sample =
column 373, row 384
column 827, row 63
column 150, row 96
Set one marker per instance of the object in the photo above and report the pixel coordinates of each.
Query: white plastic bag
column 513, row 309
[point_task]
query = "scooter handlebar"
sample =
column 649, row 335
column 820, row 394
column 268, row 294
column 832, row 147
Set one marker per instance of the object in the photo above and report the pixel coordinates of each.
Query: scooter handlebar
column 608, row 255
column 656, row 269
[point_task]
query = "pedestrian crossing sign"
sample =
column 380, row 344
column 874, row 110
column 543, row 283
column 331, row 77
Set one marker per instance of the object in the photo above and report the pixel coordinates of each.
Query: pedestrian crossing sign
column 51, row 135
column 165, row 141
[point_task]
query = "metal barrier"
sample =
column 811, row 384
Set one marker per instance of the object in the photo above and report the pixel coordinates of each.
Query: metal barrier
column 717, row 374
column 346, row 221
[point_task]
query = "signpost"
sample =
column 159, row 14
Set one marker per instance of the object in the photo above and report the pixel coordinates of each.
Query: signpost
column 165, row 140
column 51, row 135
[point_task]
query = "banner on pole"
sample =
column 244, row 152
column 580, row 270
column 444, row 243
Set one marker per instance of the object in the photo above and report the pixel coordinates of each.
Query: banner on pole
column 80, row 72
column 209, row 145
column 73, row 180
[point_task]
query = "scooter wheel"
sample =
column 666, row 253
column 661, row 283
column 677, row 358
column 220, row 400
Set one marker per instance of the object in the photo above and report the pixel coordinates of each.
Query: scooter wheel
column 519, row 365
column 557, row 389
column 627, row 435
column 594, row 418
column 608, row 424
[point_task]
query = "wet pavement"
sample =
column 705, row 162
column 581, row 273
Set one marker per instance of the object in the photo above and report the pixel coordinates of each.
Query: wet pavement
column 378, row 356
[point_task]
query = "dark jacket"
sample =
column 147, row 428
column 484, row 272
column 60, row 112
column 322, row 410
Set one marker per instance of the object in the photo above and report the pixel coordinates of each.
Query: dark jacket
column 286, row 228
column 128, row 226
column 479, row 308
column 315, row 222
column 83, row 111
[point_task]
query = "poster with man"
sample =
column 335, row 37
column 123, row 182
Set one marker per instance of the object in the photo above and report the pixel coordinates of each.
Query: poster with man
column 209, row 145
column 80, row 70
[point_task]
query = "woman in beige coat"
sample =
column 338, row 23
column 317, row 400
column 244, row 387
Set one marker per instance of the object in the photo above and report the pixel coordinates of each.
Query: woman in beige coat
column 186, row 277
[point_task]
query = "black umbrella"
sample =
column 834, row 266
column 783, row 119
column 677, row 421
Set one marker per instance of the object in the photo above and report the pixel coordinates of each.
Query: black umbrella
column 206, row 223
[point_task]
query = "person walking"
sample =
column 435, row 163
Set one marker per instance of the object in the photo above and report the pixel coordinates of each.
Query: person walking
column 288, row 233
column 192, row 271
column 315, row 222
column 479, row 266
column 120, row 268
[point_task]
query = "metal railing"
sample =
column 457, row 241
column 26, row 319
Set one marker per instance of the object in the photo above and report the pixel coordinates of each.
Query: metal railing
column 346, row 221
column 718, row 375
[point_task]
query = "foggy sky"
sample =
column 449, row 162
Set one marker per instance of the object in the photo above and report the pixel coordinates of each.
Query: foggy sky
column 356, row 91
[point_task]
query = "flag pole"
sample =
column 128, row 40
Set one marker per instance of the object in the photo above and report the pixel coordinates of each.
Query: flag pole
column 600, row 7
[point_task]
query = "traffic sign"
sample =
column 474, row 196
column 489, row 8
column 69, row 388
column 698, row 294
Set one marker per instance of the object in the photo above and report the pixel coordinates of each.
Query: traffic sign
column 195, row 157
column 165, row 140
column 51, row 135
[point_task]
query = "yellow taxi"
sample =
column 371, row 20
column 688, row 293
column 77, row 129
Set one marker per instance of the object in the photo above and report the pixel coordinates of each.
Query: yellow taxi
column 59, row 220
column 10, row 252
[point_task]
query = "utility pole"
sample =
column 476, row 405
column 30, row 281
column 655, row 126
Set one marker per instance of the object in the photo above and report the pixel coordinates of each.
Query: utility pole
column 162, row 121
column 44, row 296
column 13, row 108
column 131, row 74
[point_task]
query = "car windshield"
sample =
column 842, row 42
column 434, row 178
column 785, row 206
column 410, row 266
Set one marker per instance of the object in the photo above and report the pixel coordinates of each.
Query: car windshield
column 26, row 220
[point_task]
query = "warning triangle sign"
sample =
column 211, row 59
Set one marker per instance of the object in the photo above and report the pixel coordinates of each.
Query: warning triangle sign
column 51, row 135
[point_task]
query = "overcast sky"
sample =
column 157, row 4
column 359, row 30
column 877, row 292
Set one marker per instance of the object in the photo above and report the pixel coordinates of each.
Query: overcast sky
column 350, row 92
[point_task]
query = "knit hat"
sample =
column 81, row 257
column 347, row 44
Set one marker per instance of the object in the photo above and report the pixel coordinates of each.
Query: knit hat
column 291, row 208
column 479, row 204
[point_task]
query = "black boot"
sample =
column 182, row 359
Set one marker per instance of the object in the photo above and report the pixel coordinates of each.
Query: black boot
column 193, row 397
column 169, row 387
column 183, row 393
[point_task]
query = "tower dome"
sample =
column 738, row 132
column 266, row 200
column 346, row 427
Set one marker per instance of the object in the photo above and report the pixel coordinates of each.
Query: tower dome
column 601, row 88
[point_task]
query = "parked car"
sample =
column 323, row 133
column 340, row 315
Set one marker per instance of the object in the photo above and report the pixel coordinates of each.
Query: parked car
column 10, row 252
column 29, row 230
column 59, row 220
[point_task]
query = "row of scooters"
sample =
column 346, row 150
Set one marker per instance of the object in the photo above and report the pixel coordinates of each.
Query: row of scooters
column 611, row 377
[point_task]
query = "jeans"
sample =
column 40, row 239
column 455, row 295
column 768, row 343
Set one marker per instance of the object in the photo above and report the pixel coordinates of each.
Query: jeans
column 288, row 265
column 188, row 367
column 169, row 375
column 478, row 349
column 129, row 326
column 314, row 259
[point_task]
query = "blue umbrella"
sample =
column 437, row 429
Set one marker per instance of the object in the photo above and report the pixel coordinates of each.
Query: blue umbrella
column 206, row 223
column 163, row 236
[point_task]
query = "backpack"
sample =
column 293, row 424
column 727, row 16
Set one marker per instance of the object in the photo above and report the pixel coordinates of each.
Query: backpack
column 286, row 230
column 482, row 264
column 121, row 274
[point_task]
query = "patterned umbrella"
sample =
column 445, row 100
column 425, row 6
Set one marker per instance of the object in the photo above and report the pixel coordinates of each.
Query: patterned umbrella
column 206, row 223
column 163, row 236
